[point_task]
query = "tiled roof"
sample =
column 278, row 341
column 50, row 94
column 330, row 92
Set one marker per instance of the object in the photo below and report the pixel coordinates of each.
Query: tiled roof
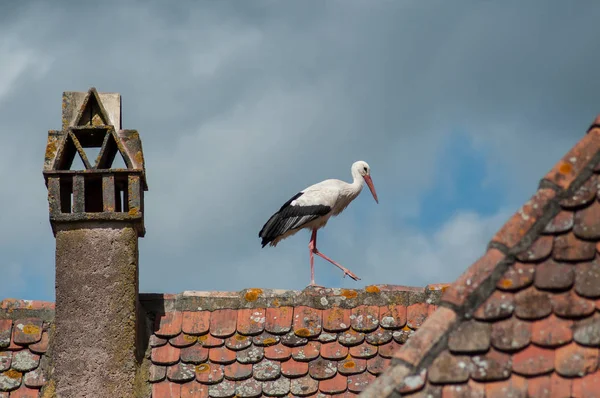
column 318, row 342
column 24, row 337
column 524, row 320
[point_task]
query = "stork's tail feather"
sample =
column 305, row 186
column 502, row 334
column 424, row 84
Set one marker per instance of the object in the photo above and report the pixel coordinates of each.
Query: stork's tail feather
column 266, row 232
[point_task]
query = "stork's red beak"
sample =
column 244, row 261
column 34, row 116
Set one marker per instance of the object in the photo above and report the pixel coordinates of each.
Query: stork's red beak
column 369, row 182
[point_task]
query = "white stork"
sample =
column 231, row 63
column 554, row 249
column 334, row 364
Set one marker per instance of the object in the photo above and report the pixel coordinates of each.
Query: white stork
column 312, row 207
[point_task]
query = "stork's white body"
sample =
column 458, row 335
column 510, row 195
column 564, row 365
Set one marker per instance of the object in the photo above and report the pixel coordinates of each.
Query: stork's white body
column 335, row 194
column 312, row 208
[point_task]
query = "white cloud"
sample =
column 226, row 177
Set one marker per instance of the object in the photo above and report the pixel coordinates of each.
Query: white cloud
column 414, row 257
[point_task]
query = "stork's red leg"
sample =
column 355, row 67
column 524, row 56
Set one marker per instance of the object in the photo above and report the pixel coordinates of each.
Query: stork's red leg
column 313, row 249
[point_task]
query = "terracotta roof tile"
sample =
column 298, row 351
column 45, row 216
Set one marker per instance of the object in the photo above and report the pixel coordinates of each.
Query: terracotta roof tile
column 41, row 346
column 238, row 342
column 24, row 361
column 307, row 352
column 267, row 370
column 350, row 366
column 392, row 316
column 539, row 250
column 265, row 339
column 472, row 278
column 157, row 373
column 335, row 385
column 156, row 341
column 168, row 325
column 438, row 325
column 307, row 321
column 251, row 354
column 365, row 318
column 575, row 360
column 293, row 340
column 470, row 337
column 511, row 334
column 532, row 304
column 516, row 277
column 183, row 340
column 500, row 305
column 166, row 389
column 224, row 389
column 448, row 368
column 492, row 366
column 585, row 223
column 277, row 388
column 194, row 354
column 27, row 331
column 251, row 321
column 223, row 323
column 586, row 386
column 221, row 355
column 533, row 361
column 568, row 247
column 516, row 386
column 292, row 368
column 358, row 382
column 587, row 279
column 377, row 364
column 279, row 320
column 210, row 341
column 194, row 390
column 552, row 331
column 336, row 319
column 571, row 305
column 25, row 392
column 562, row 222
column 165, row 355
column 464, row 390
column 351, row 337
column 35, row 378
column 248, row 388
column 238, row 371
column 364, row 350
column 574, row 162
column 304, row 386
column 321, row 369
column 333, row 350
column 5, row 359
column 582, row 196
column 209, row 373
column 5, row 332
column 552, row 275
column 278, row 352
column 587, row 331
column 379, row 337
column 181, row 372
column 521, row 222
column 195, row 322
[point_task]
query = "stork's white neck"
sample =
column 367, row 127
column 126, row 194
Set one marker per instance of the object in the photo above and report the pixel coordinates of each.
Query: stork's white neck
column 357, row 180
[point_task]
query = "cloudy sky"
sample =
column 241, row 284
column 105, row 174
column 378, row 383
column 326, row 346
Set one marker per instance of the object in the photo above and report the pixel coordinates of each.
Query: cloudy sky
column 459, row 107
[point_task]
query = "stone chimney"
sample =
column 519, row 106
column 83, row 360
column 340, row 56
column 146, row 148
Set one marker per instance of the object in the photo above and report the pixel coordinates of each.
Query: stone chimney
column 97, row 216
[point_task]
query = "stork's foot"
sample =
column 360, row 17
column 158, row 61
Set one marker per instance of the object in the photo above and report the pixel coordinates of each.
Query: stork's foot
column 345, row 270
column 312, row 247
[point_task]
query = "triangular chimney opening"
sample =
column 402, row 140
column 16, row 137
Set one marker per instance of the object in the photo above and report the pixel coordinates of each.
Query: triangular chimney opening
column 110, row 157
column 77, row 163
column 92, row 113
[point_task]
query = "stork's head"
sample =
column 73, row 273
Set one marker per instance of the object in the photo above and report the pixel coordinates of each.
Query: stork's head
column 362, row 169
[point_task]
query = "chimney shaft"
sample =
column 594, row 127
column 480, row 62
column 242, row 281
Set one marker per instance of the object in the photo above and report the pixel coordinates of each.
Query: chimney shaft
column 97, row 217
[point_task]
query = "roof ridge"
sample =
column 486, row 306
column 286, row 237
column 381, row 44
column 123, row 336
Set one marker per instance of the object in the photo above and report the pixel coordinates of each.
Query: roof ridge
column 478, row 282
column 312, row 296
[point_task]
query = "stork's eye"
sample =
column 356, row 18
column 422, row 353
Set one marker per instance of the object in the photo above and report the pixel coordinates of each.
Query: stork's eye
column 365, row 169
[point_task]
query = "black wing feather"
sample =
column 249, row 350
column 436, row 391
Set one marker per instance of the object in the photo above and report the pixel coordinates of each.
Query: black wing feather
column 290, row 217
